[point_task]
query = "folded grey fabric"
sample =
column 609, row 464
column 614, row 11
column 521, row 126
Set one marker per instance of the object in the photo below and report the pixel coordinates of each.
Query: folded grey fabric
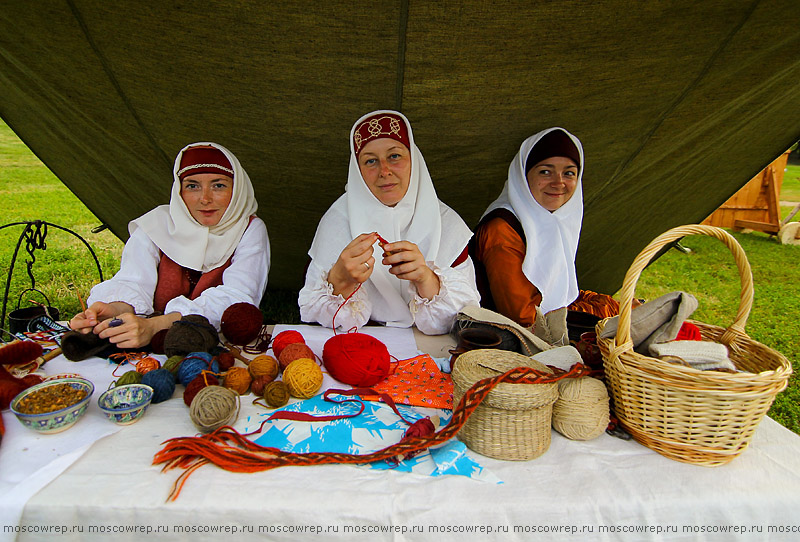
column 703, row 355
column 563, row 357
column 656, row 321
column 552, row 327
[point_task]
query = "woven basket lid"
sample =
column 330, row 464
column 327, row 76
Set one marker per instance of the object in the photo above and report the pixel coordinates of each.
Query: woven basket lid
column 479, row 364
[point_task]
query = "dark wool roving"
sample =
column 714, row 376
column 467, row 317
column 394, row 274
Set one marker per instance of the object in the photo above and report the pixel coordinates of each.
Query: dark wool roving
column 78, row 346
column 192, row 333
column 241, row 323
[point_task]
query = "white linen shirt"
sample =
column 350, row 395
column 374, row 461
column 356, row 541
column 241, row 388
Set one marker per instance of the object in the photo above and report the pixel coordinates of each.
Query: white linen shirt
column 243, row 281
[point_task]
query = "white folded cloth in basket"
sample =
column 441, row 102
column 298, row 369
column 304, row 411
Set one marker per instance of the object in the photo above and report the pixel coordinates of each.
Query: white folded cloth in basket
column 702, row 355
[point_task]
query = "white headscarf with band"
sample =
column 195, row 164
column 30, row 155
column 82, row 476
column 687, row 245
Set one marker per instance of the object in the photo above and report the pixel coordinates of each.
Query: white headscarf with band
column 415, row 218
column 189, row 243
column 551, row 238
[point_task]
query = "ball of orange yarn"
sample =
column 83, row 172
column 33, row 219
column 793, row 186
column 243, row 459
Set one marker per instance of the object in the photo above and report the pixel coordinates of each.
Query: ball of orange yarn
column 284, row 339
column 303, row 377
column 294, row 351
column 226, row 360
column 264, row 365
column 193, row 388
column 356, row 359
column 276, row 394
column 148, row 364
column 241, row 323
column 238, row 379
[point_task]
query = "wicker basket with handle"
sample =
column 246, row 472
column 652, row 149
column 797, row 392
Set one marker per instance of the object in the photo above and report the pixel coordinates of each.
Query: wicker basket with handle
column 700, row 417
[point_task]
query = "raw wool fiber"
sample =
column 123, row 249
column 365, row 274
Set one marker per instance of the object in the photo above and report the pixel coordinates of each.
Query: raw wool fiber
column 131, row 377
column 292, row 352
column 276, row 394
column 194, row 364
column 238, row 379
column 581, row 411
column 213, row 407
column 241, row 323
column 284, row 339
column 193, row 388
column 303, row 377
column 173, row 364
column 264, row 365
column 192, row 333
column 356, row 359
column 162, row 382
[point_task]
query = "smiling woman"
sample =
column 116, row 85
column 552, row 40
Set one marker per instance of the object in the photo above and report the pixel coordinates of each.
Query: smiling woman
column 200, row 254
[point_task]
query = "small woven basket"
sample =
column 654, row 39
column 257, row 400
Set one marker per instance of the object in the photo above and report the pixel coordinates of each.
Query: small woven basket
column 513, row 422
column 700, row 417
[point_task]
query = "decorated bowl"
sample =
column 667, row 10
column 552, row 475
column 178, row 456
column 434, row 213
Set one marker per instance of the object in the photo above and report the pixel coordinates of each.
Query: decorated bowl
column 125, row 405
column 53, row 406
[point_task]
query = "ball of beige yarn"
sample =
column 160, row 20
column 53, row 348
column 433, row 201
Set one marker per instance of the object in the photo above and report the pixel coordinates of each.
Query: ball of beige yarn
column 581, row 410
column 213, row 407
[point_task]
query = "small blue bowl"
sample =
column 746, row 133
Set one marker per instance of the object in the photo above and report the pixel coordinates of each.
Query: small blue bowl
column 58, row 420
column 125, row 405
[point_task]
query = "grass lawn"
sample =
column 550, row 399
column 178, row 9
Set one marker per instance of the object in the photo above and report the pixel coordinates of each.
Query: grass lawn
column 66, row 269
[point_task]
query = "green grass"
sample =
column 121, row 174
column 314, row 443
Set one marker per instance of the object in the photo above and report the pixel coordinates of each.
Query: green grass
column 66, row 268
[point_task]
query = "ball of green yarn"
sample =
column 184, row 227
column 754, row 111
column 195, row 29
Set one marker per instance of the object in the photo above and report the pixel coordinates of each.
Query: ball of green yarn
column 173, row 363
column 131, row 377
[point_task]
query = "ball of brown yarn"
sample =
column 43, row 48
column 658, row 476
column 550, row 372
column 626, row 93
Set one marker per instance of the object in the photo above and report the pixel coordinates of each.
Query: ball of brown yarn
column 226, row 360
column 238, row 379
column 173, row 364
column 294, row 351
column 193, row 388
column 276, row 394
column 131, row 377
column 213, row 407
column 303, row 377
column 581, row 411
column 264, row 365
column 192, row 333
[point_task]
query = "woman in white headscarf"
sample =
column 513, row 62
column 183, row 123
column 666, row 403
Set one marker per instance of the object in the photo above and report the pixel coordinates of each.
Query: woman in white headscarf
column 525, row 244
column 422, row 274
column 200, row 254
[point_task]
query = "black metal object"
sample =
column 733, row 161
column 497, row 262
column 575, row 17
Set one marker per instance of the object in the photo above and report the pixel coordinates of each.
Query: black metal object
column 35, row 236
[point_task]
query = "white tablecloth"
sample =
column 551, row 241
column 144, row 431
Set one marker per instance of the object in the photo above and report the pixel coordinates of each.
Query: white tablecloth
column 605, row 489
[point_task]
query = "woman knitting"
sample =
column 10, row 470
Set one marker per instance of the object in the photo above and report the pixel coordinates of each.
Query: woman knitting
column 200, row 254
column 388, row 250
column 525, row 244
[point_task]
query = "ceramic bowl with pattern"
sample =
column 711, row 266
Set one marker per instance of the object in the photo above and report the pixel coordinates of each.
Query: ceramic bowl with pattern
column 125, row 405
column 31, row 400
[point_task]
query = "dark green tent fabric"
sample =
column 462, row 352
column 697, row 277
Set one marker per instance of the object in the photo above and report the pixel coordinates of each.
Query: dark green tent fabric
column 677, row 103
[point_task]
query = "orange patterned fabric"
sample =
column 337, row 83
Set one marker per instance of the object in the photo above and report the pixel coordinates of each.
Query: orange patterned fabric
column 419, row 382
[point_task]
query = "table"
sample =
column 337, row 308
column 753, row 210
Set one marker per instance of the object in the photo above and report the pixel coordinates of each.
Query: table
column 604, row 489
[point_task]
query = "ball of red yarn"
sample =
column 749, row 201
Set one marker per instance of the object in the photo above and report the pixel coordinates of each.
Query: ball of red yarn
column 259, row 383
column 294, row 351
column 226, row 360
column 241, row 323
column 284, row 339
column 356, row 359
column 198, row 383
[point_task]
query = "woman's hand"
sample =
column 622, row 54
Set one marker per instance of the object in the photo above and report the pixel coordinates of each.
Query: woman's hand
column 407, row 262
column 131, row 331
column 85, row 322
column 354, row 265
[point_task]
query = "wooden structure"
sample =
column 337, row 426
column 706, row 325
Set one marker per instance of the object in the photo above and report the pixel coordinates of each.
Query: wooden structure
column 756, row 206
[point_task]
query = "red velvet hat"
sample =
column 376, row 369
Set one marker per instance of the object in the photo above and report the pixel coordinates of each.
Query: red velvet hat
column 204, row 160
column 378, row 126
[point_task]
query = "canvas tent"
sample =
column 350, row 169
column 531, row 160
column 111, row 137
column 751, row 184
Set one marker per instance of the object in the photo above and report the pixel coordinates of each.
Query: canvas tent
column 677, row 103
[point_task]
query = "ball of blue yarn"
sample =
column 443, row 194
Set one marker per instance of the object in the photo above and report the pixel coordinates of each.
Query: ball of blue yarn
column 194, row 364
column 162, row 382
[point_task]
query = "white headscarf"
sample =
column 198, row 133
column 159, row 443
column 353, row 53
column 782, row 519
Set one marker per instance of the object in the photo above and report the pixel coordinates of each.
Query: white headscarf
column 189, row 243
column 415, row 218
column 551, row 238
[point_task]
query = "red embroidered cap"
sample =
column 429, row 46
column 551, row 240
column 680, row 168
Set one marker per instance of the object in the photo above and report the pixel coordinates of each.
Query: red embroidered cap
column 378, row 126
column 204, row 160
